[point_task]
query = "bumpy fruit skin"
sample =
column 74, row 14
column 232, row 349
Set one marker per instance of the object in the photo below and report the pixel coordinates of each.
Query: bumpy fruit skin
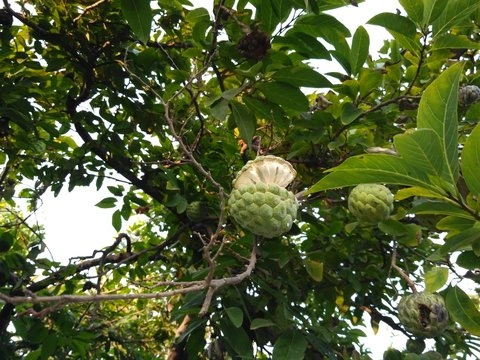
column 259, row 201
column 197, row 211
column 267, row 210
column 415, row 346
column 423, row 314
column 468, row 95
column 370, row 203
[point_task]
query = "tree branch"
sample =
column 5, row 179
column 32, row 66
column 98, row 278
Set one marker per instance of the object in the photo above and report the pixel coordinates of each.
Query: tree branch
column 61, row 300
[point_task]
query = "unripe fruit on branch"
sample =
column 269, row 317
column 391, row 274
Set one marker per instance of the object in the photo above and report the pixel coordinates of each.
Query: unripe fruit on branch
column 423, row 314
column 197, row 211
column 370, row 203
column 468, row 95
column 259, row 201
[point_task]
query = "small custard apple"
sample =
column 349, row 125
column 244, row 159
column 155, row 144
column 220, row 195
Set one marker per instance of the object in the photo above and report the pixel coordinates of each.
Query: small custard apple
column 197, row 210
column 259, row 201
column 370, row 203
column 468, row 95
column 423, row 314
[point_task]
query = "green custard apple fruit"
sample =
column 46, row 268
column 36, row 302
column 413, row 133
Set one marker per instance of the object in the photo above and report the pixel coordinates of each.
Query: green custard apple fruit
column 197, row 211
column 423, row 314
column 370, row 203
column 259, row 201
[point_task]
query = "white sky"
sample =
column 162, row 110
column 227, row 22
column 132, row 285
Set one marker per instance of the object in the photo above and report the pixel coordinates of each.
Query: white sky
column 75, row 227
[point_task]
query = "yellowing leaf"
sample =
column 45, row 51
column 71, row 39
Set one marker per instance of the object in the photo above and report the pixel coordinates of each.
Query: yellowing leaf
column 314, row 269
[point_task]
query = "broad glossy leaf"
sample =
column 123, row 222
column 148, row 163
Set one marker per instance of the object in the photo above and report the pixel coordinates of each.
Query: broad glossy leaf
column 462, row 309
column 197, row 15
column 360, row 48
column 372, row 168
column 450, row 41
column 138, row 14
column 432, row 10
column 286, row 95
column 245, row 121
column 440, row 208
column 468, row 260
column 438, row 111
column 394, row 22
column 237, row 338
column 460, row 241
column 436, row 278
column 407, row 192
column 309, row 24
column 453, row 14
column 301, row 76
column 235, row 314
column 422, row 149
column 349, row 113
column 291, row 345
column 471, row 161
column 304, row 44
column 414, row 9
column 369, row 80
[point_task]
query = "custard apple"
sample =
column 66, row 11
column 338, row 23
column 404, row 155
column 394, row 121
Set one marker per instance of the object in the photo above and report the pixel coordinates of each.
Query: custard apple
column 415, row 346
column 370, row 203
column 259, row 201
column 197, row 211
column 468, row 95
column 423, row 314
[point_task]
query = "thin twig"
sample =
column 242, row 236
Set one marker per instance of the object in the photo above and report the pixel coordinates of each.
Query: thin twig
column 89, row 8
column 409, row 281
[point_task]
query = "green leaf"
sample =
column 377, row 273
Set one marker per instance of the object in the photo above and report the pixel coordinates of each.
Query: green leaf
column 468, row 260
column 455, row 12
column 197, row 15
column 422, row 149
column 360, row 48
column 440, row 208
column 117, row 220
column 436, row 278
column 314, row 269
column 304, row 44
column 301, row 76
column 235, row 314
column 438, row 111
column 108, row 202
column 394, row 22
column 414, row 9
column 405, row 193
column 372, row 168
column 286, row 95
column 245, row 121
column 460, row 241
column 290, row 346
column 349, row 113
column 471, row 161
column 450, row 41
column 462, row 309
column 138, row 14
column 369, row 80
column 237, row 338
column 432, row 10
column 261, row 323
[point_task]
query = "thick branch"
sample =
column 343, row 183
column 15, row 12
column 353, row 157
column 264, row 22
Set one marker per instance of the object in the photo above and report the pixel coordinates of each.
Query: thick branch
column 76, row 299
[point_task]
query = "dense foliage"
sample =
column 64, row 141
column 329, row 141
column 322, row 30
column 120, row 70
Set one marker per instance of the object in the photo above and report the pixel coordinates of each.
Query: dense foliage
column 170, row 101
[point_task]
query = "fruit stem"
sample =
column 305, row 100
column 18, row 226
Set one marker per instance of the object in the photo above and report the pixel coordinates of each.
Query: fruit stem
column 402, row 273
